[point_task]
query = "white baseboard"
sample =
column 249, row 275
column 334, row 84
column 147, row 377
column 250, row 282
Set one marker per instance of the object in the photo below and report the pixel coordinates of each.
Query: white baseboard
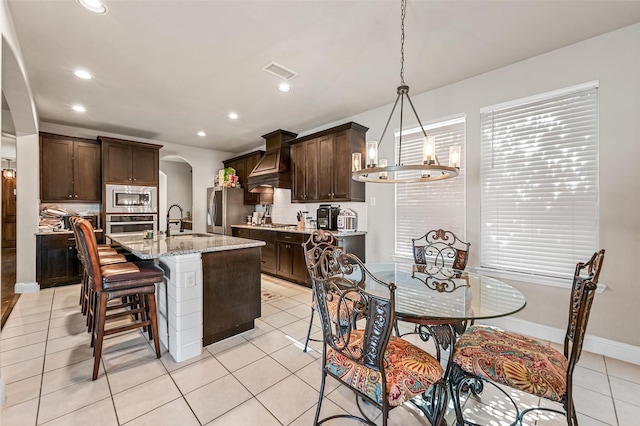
column 26, row 287
column 598, row 345
column 3, row 396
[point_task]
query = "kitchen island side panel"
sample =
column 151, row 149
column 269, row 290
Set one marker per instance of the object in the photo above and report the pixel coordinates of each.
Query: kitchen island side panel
column 231, row 292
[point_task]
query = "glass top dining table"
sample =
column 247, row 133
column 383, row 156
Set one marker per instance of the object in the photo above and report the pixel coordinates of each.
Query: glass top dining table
column 432, row 294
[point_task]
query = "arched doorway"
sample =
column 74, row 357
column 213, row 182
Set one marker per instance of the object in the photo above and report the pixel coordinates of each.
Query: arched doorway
column 176, row 187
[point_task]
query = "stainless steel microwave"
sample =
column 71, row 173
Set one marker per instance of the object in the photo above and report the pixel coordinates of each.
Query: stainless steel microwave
column 131, row 199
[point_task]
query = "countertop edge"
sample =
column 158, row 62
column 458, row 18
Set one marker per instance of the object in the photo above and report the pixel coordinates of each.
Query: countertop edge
column 307, row 231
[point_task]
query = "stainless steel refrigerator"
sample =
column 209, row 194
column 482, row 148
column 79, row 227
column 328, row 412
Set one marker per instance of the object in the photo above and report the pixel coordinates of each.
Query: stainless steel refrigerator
column 225, row 207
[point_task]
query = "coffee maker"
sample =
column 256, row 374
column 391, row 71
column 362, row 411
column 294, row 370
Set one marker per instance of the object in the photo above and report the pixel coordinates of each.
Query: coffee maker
column 327, row 216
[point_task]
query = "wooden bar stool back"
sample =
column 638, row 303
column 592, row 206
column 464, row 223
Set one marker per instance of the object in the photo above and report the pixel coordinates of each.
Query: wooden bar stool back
column 132, row 280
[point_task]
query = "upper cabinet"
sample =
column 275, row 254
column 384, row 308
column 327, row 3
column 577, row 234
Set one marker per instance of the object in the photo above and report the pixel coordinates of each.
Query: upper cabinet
column 321, row 164
column 69, row 169
column 129, row 163
column 243, row 165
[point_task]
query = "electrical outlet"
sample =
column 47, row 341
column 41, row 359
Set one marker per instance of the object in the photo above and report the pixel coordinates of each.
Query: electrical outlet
column 190, row 279
column 372, row 201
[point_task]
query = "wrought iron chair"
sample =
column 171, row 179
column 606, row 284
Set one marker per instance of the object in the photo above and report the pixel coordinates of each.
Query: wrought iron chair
column 443, row 251
column 441, row 248
column 384, row 370
column 319, row 242
column 489, row 355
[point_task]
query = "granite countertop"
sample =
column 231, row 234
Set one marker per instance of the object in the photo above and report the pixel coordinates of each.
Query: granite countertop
column 293, row 228
column 63, row 232
column 180, row 243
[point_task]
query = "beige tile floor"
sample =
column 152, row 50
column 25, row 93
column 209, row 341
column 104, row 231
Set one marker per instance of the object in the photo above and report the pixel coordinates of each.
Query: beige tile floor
column 260, row 377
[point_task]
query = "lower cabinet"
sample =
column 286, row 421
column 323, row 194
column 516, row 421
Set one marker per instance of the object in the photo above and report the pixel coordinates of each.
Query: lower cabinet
column 269, row 251
column 283, row 255
column 290, row 257
column 57, row 260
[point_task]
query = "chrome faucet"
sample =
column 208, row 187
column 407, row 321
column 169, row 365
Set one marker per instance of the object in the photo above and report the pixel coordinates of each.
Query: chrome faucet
column 168, row 233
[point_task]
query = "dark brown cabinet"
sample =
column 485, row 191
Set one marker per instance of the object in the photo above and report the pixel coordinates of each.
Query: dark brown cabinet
column 290, row 257
column 304, row 161
column 321, row 164
column 129, row 163
column 231, row 293
column 69, row 169
column 268, row 251
column 57, row 259
column 243, row 166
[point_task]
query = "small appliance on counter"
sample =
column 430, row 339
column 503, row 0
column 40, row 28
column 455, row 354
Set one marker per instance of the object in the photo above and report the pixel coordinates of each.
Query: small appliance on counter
column 327, row 216
column 347, row 221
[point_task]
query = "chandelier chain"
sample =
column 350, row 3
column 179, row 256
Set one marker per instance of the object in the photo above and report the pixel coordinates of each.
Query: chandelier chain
column 403, row 12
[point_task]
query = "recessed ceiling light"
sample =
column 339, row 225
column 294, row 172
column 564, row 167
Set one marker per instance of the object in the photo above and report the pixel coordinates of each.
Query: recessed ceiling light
column 79, row 108
column 95, row 6
column 284, row 87
column 233, row 116
column 201, row 133
column 85, row 75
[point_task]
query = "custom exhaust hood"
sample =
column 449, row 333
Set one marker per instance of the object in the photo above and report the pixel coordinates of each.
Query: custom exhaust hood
column 274, row 169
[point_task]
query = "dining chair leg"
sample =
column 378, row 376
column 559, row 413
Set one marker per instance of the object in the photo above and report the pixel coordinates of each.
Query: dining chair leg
column 306, row 343
column 324, row 378
column 99, row 332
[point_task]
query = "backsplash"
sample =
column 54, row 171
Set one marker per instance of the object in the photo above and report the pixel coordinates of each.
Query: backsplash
column 284, row 211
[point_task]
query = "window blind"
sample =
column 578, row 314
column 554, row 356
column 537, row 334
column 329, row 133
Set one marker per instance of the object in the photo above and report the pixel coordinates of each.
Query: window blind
column 421, row 207
column 539, row 185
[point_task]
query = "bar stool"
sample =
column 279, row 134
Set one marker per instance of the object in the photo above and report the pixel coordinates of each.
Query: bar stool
column 133, row 280
column 107, row 254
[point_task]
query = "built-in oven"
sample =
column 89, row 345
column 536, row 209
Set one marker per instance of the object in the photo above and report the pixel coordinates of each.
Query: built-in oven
column 119, row 223
column 131, row 199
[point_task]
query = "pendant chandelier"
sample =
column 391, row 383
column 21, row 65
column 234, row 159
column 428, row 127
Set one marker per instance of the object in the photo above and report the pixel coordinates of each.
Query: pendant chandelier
column 377, row 171
column 9, row 173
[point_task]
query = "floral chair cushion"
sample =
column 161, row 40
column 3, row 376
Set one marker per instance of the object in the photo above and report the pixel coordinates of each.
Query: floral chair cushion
column 514, row 360
column 409, row 370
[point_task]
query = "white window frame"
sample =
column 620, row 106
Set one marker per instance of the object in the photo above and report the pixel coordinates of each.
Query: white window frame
column 426, row 191
column 489, row 254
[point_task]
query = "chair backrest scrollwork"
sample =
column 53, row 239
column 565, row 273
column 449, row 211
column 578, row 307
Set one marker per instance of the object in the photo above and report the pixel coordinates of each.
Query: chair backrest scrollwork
column 345, row 287
column 441, row 248
column 319, row 242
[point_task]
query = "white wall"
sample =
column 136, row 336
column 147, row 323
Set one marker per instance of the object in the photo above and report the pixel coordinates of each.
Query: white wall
column 614, row 60
column 17, row 91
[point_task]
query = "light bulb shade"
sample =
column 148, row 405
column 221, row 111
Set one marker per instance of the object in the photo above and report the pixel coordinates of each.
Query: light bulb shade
column 356, row 162
column 8, row 173
column 454, row 156
column 382, row 163
column 429, row 150
column 372, row 154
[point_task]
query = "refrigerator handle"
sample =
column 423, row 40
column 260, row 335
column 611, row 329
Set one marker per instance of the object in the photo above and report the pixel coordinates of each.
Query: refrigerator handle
column 214, row 210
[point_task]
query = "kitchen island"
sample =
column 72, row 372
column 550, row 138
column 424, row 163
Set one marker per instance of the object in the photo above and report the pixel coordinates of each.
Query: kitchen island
column 211, row 291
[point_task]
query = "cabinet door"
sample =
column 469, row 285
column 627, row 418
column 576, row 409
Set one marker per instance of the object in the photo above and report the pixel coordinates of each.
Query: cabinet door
column 298, row 264
column 325, row 168
column 341, row 167
column 298, row 159
column 311, row 170
column 284, row 259
column 144, row 165
column 56, row 260
column 117, row 163
column 56, row 169
column 86, row 172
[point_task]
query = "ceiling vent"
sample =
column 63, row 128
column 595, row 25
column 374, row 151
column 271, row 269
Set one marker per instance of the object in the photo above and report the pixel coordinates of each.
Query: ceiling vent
column 279, row 70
